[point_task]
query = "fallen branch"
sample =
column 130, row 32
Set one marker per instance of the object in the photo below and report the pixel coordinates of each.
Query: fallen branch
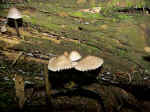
column 11, row 55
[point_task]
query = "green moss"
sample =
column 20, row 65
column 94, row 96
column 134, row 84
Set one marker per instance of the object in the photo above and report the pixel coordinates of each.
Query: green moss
column 86, row 15
column 103, row 33
column 123, row 16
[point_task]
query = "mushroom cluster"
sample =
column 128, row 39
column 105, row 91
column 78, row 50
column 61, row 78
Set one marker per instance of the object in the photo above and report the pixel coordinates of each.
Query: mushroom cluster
column 72, row 67
column 74, row 60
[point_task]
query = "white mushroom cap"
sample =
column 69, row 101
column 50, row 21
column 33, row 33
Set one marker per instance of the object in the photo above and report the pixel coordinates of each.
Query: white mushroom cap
column 59, row 63
column 89, row 63
column 74, row 56
column 14, row 13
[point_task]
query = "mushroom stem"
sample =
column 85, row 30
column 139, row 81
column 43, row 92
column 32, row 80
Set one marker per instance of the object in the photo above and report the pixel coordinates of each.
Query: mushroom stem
column 17, row 29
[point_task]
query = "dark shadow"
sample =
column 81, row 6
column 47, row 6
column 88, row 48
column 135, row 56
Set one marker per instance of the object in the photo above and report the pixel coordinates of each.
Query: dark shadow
column 146, row 58
column 59, row 79
column 11, row 22
column 134, row 10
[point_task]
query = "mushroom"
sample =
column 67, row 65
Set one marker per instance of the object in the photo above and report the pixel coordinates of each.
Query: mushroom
column 87, row 69
column 80, row 70
column 14, row 19
column 74, row 56
column 59, row 66
column 89, row 63
column 61, row 62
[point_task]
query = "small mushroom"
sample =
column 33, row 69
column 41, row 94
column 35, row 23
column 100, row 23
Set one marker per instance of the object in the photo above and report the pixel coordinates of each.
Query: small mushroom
column 14, row 19
column 75, row 56
column 89, row 63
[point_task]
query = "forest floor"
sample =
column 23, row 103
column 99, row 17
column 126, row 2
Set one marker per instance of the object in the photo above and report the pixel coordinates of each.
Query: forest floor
column 50, row 28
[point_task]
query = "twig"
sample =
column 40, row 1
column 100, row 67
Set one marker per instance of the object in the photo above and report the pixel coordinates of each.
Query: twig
column 18, row 56
column 47, row 85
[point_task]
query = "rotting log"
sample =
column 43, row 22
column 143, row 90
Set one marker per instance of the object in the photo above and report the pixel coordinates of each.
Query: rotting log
column 83, row 93
column 139, row 88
